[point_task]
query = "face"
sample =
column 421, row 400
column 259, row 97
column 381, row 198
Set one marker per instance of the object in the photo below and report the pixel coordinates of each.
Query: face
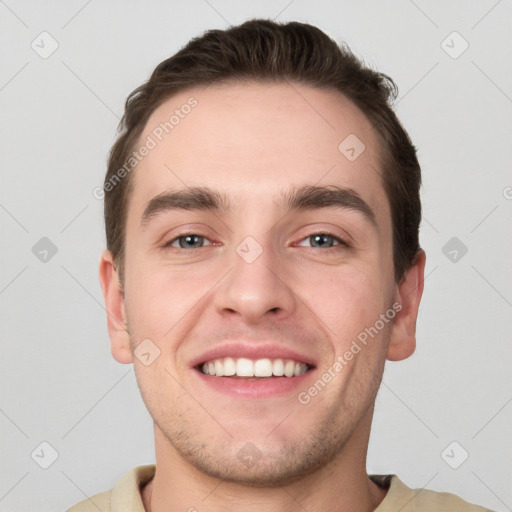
column 257, row 245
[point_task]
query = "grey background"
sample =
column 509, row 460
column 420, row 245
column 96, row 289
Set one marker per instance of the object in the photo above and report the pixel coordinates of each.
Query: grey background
column 59, row 383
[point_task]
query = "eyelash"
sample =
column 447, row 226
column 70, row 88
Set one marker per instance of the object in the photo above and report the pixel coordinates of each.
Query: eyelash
column 342, row 244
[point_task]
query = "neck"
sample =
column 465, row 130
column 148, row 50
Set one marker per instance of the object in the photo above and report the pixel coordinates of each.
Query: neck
column 341, row 485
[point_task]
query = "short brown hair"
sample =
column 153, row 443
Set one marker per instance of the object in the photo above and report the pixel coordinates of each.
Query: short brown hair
column 262, row 50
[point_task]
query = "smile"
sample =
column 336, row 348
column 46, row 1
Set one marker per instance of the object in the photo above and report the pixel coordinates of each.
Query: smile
column 244, row 367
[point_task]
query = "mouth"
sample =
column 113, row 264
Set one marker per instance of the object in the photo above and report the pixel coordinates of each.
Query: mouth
column 264, row 378
column 243, row 367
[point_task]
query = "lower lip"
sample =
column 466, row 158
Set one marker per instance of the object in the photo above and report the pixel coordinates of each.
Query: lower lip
column 254, row 387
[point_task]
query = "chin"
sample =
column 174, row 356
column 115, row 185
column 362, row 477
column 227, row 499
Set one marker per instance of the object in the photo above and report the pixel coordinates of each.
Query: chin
column 274, row 473
column 275, row 464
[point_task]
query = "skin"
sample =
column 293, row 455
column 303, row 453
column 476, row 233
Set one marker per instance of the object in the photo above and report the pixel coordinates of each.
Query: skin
column 251, row 141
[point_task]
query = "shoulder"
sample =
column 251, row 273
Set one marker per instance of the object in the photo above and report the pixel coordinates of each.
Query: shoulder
column 97, row 502
column 401, row 497
column 124, row 497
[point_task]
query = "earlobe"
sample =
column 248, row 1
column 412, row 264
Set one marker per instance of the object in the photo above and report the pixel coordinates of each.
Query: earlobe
column 408, row 295
column 116, row 311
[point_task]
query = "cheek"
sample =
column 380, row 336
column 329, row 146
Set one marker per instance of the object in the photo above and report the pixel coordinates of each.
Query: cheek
column 159, row 389
column 148, row 302
column 160, row 299
column 346, row 299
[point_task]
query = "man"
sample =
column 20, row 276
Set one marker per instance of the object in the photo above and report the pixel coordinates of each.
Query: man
column 262, row 213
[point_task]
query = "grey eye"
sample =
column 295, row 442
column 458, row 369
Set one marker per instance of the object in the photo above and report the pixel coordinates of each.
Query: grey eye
column 190, row 241
column 322, row 240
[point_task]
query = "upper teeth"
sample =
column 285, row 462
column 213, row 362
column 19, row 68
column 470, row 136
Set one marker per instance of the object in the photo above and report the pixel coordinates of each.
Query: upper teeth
column 242, row 367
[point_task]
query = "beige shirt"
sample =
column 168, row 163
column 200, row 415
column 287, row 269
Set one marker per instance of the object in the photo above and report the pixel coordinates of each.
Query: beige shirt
column 126, row 496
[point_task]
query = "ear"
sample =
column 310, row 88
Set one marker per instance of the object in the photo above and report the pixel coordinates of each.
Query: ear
column 116, row 311
column 408, row 295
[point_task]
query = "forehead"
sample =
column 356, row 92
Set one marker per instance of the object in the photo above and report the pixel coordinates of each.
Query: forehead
column 251, row 138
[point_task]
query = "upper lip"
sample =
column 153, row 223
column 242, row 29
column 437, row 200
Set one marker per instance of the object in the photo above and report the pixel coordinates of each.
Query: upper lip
column 253, row 351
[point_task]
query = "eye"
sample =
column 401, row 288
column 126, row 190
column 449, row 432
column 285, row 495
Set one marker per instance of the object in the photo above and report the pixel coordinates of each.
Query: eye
column 187, row 241
column 195, row 241
column 321, row 240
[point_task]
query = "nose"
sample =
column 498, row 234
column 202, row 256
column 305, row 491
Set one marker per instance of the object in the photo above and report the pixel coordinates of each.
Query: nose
column 258, row 288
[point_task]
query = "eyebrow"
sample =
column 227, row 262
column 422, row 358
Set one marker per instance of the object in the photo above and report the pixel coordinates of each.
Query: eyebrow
column 307, row 197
